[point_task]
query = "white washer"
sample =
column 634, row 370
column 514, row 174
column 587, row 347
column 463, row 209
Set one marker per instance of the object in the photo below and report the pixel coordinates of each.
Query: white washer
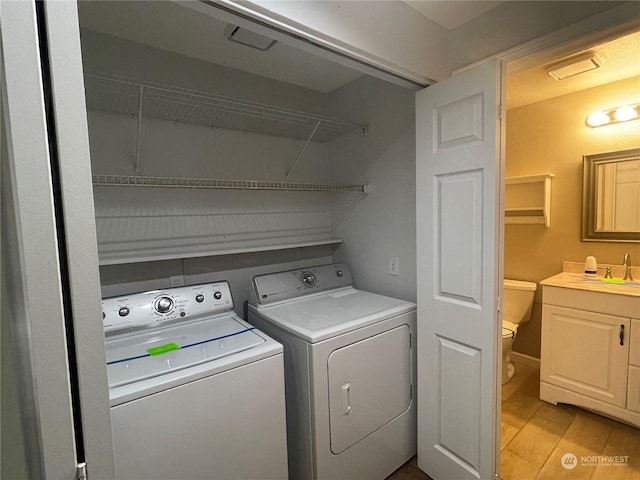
column 349, row 372
column 195, row 391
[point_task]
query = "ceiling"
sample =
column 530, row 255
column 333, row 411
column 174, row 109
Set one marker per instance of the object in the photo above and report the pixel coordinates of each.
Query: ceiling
column 158, row 24
column 452, row 14
column 203, row 38
column 621, row 59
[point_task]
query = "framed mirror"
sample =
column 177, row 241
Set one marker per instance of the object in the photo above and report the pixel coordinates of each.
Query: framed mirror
column 611, row 197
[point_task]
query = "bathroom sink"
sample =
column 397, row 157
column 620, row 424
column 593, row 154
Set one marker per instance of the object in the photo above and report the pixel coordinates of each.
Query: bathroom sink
column 614, row 282
column 579, row 281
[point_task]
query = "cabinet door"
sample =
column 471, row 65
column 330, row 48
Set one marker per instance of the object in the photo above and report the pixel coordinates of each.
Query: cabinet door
column 633, row 393
column 583, row 352
column 634, row 343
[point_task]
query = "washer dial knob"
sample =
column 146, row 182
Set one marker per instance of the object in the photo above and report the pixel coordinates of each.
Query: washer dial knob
column 309, row 279
column 164, row 304
column 217, row 295
column 200, row 298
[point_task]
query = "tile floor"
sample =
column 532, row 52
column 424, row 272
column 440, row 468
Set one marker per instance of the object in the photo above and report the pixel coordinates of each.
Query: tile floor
column 535, row 436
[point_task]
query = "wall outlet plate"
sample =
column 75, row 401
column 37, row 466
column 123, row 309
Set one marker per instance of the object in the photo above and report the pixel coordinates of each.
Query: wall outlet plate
column 176, row 280
column 394, row 266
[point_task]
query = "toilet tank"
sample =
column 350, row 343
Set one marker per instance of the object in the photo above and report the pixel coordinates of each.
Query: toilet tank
column 517, row 300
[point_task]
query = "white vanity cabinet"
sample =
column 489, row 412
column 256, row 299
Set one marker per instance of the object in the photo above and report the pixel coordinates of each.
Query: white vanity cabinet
column 590, row 354
column 583, row 353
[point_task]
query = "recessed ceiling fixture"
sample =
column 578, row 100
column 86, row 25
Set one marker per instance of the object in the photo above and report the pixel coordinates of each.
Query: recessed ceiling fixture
column 574, row 66
column 614, row 115
column 248, row 38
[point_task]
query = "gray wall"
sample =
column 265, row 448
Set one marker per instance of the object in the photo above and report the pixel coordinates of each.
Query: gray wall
column 381, row 224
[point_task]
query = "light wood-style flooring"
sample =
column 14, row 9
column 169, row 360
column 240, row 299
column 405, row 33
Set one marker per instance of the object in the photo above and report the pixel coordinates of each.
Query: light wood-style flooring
column 536, row 435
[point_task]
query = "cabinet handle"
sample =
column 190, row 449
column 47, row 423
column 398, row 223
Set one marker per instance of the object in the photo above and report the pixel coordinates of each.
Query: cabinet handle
column 621, row 334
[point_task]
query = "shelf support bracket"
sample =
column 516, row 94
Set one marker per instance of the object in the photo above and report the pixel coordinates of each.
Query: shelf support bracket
column 137, row 169
column 315, row 129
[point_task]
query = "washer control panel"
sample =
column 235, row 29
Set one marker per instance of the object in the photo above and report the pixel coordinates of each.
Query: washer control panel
column 275, row 287
column 147, row 309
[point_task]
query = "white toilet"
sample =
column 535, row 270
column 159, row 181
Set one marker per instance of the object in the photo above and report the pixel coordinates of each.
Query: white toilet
column 516, row 309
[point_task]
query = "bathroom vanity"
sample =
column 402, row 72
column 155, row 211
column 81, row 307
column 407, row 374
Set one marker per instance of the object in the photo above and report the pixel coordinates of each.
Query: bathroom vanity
column 591, row 344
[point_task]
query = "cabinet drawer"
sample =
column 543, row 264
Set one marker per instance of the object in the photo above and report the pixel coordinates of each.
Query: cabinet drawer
column 634, row 343
column 633, row 389
column 581, row 352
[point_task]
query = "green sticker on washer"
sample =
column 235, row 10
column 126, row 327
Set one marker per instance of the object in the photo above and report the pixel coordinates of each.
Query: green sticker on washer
column 169, row 347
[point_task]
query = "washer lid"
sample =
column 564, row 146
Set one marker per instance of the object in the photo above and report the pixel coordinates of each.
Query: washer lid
column 318, row 317
column 146, row 354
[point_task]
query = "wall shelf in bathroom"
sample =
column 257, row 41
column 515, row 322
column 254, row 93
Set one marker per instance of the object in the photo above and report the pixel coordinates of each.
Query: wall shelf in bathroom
column 528, row 199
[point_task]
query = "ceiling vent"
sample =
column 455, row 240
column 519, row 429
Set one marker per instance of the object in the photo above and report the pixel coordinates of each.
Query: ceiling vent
column 248, row 38
column 574, row 66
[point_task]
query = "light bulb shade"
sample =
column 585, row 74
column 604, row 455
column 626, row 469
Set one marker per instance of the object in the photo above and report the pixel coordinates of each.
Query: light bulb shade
column 597, row 119
column 626, row 113
column 613, row 115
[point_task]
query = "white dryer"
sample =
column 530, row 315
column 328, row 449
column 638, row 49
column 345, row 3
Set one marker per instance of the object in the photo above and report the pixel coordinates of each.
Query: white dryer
column 349, row 372
column 195, row 392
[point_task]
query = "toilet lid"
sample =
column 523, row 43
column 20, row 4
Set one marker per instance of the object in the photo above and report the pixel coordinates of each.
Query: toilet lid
column 509, row 330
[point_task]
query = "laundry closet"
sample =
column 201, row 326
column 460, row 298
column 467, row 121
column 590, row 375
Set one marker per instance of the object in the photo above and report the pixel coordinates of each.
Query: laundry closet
column 278, row 159
column 208, row 166
column 221, row 157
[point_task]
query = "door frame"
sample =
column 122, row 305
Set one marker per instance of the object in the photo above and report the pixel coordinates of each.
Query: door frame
column 560, row 43
column 54, row 292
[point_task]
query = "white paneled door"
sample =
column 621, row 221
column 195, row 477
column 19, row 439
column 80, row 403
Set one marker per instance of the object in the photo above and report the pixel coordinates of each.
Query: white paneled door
column 458, row 183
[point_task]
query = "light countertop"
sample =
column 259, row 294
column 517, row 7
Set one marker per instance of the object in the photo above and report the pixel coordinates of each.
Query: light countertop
column 580, row 282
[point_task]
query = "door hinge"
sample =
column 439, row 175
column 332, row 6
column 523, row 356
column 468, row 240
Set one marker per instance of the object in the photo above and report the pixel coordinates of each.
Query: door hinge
column 499, row 304
column 81, row 471
column 500, row 112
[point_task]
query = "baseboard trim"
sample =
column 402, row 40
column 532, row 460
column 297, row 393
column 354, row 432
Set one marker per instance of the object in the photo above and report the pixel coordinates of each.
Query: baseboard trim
column 526, row 359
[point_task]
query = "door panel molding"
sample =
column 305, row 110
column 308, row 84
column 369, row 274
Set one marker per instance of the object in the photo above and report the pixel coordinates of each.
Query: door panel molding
column 458, row 254
column 459, row 397
column 458, row 122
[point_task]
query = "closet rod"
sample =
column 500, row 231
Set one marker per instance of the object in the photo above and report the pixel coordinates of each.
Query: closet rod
column 222, row 184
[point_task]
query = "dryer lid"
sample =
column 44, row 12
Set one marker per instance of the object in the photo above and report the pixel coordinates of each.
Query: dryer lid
column 135, row 357
column 318, row 317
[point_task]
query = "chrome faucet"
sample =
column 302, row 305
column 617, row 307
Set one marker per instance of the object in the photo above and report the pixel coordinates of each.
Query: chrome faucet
column 627, row 267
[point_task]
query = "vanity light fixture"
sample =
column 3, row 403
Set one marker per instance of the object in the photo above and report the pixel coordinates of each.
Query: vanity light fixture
column 614, row 115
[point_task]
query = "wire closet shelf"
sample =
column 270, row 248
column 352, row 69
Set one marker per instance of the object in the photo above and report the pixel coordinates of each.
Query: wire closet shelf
column 111, row 93
column 204, row 183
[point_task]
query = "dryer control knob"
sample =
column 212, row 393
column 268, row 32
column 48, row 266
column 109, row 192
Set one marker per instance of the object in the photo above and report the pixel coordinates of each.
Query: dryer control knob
column 217, row 295
column 309, row 279
column 339, row 273
column 164, row 304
